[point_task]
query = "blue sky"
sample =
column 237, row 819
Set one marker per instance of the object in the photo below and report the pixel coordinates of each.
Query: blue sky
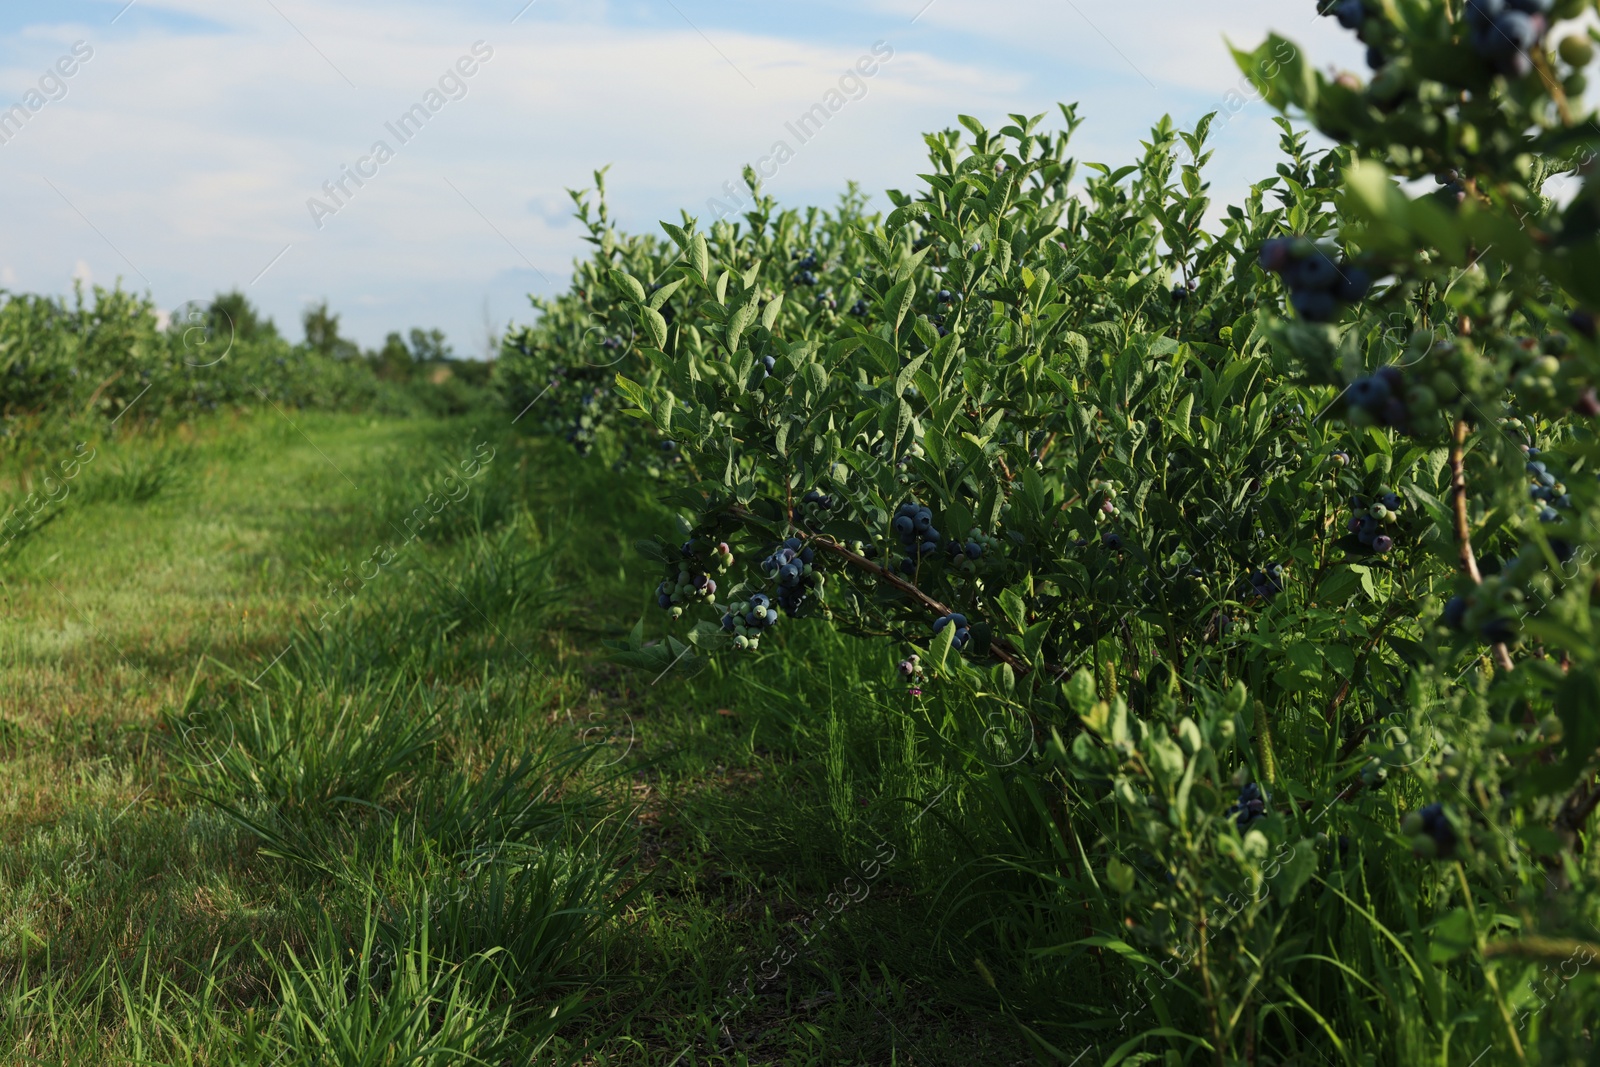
column 181, row 155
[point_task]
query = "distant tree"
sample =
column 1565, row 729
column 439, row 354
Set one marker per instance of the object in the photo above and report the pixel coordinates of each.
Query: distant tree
column 233, row 311
column 393, row 362
column 430, row 347
column 322, row 333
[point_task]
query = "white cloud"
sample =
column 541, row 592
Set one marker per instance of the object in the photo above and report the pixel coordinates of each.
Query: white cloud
column 193, row 151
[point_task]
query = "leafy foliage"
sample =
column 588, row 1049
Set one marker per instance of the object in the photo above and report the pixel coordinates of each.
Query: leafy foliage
column 1278, row 529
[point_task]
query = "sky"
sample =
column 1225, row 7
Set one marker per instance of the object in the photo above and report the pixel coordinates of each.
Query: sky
column 199, row 146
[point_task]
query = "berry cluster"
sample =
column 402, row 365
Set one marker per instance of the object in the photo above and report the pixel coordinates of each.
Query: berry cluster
column 1373, row 522
column 1546, row 490
column 1317, row 285
column 913, row 525
column 1549, row 384
column 1251, row 806
column 692, row 580
column 1432, row 836
column 1383, row 398
column 827, row 301
column 1267, row 582
column 1106, row 490
column 911, row 671
column 806, row 268
column 1352, row 14
column 860, row 309
column 1504, row 32
column 748, row 622
column 959, row 621
column 1489, row 612
column 964, row 555
column 790, row 566
column 814, row 507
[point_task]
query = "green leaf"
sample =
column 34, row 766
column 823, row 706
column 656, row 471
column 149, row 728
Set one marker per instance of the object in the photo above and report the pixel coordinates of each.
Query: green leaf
column 655, row 326
column 1296, row 871
column 663, row 294
column 939, row 648
column 770, row 314
column 741, row 320
column 634, row 392
column 1080, row 692
column 1450, row 936
column 899, row 301
column 630, row 286
column 700, row 257
column 1016, row 612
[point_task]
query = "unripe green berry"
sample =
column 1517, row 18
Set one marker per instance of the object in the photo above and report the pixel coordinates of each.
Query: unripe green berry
column 1577, row 50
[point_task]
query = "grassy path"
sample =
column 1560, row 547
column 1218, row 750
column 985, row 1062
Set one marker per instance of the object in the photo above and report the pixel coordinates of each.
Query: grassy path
column 230, row 821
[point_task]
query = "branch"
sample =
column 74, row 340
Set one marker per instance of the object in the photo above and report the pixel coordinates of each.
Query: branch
column 1577, row 808
column 1344, row 688
column 1463, row 525
column 1000, row 650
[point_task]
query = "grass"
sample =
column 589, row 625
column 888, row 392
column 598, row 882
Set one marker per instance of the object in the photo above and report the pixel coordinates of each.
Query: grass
column 281, row 784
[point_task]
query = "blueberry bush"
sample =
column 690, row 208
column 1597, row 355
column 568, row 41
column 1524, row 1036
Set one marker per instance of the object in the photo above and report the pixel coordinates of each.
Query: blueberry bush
column 1274, row 523
column 70, row 368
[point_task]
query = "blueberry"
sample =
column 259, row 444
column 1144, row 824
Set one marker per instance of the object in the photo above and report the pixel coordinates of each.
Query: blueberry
column 1350, row 14
column 1382, row 544
column 904, row 526
column 1314, row 305
column 1275, row 254
column 1369, row 392
column 974, row 550
column 1251, row 805
column 1391, row 501
column 1315, row 272
column 1455, row 612
column 1353, row 285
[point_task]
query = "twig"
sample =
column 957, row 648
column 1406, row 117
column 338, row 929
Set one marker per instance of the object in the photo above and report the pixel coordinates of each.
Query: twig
column 1463, row 525
column 1344, row 688
column 1001, row 651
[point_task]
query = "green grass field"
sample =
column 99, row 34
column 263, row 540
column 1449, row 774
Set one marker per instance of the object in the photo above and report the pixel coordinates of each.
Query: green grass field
column 436, row 825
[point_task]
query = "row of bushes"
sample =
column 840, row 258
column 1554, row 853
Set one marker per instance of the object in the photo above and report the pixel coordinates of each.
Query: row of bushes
column 70, row 367
column 1270, row 545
